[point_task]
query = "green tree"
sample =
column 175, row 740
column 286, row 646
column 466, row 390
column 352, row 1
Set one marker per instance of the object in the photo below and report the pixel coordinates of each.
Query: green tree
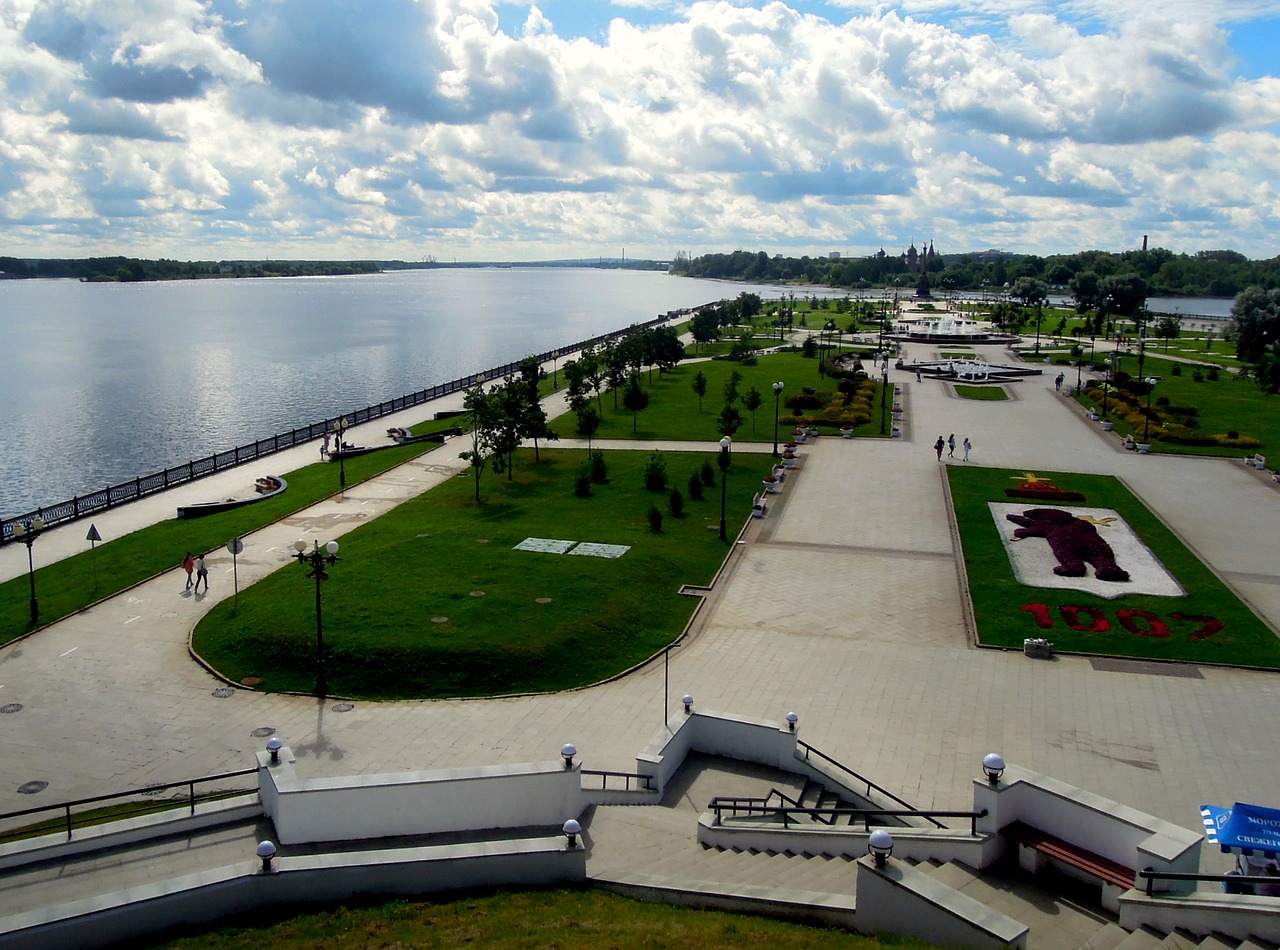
column 730, row 419
column 635, row 398
column 482, row 415
column 533, row 422
column 700, row 387
column 1167, row 328
column 1255, row 327
column 752, row 401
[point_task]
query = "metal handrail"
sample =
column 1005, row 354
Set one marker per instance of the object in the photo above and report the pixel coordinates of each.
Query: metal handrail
column 756, row 806
column 1151, row 875
column 604, row 775
column 82, row 506
column 65, row 807
column 848, row 771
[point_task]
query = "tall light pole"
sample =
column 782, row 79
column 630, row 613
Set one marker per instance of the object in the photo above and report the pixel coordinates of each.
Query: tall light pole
column 777, row 399
column 1146, row 422
column 316, row 559
column 723, row 462
column 27, row 532
column 884, row 388
column 341, row 427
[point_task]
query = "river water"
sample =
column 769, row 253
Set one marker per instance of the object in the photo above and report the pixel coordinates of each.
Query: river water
column 106, row 382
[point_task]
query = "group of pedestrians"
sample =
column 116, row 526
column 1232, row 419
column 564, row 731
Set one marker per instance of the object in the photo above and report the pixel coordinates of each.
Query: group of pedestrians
column 190, row 564
column 949, row 443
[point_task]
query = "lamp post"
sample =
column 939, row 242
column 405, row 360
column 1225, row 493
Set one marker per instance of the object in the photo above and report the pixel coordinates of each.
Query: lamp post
column 1106, row 382
column 341, row 427
column 1150, row 382
column 884, row 386
column 27, row 532
column 777, row 399
column 723, row 462
column 316, row 559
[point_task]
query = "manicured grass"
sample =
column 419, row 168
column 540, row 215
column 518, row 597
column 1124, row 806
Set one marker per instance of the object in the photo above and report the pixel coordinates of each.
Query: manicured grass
column 569, row 919
column 998, row 597
column 982, row 393
column 673, row 411
column 439, row 551
column 74, row 583
column 1228, row 403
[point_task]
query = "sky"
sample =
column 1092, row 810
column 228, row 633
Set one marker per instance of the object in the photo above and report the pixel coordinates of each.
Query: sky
column 475, row 130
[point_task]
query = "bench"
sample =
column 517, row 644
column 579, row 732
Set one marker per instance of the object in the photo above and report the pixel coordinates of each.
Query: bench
column 1256, row 461
column 1112, row 874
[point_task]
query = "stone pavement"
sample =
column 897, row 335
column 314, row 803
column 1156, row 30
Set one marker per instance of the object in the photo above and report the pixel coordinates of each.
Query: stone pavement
column 845, row 604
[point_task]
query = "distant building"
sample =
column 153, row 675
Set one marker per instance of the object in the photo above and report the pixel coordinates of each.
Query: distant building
column 833, row 256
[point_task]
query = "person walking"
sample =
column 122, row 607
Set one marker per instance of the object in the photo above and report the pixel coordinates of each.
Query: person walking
column 188, row 565
column 939, row 446
column 967, row 446
column 1057, row 383
column 324, row 446
column 202, row 574
column 917, row 372
column 951, row 446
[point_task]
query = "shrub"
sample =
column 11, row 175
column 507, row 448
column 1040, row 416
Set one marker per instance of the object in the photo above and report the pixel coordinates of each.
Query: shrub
column 599, row 471
column 695, row 487
column 655, row 473
column 582, row 483
column 1163, row 402
column 675, row 501
column 708, row 474
column 1213, row 374
column 1233, row 434
column 1176, row 370
column 655, row 519
column 1197, row 377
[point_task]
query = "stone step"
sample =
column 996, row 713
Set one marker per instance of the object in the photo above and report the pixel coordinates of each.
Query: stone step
column 1180, row 940
column 1141, row 939
column 1218, row 942
column 1107, row 938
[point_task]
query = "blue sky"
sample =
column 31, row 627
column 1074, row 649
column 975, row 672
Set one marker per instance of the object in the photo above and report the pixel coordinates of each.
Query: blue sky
column 474, row 129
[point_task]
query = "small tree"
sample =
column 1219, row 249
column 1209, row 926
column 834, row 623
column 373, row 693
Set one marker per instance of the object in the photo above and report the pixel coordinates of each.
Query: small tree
column 700, row 387
column 708, row 475
column 655, row 473
column 695, row 487
column 729, row 421
column 675, row 501
column 582, row 482
column 655, row 519
column 753, row 401
column 1167, row 328
column 809, row 348
column 635, row 398
column 588, row 422
column 599, row 471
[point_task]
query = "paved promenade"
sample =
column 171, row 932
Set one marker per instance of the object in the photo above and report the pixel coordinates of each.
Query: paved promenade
column 844, row 604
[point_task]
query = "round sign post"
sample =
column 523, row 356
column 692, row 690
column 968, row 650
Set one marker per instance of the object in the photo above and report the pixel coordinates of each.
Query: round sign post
column 235, row 546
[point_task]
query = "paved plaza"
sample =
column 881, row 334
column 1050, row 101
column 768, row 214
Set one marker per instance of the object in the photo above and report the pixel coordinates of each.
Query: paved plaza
column 845, row 604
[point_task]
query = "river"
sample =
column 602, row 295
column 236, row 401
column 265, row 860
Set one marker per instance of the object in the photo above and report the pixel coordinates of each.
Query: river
column 104, row 382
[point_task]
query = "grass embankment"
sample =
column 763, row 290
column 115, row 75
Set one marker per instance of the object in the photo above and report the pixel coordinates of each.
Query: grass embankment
column 1223, row 405
column 444, row 556
column 999, row 598
column 74, row 583
column 674, row 411
column 567, row 919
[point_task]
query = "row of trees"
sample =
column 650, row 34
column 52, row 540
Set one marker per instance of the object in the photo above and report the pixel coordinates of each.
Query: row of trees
column 1222, row 273
column 131, row 269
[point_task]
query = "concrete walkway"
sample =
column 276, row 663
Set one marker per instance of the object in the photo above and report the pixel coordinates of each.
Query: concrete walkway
column 845, row 605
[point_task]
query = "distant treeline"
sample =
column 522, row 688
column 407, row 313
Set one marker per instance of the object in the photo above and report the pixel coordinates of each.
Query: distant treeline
column 1205, row 273
column 130, row 269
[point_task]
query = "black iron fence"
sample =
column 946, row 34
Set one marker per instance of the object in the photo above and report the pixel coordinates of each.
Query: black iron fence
column 65, row 817
column 82, row 506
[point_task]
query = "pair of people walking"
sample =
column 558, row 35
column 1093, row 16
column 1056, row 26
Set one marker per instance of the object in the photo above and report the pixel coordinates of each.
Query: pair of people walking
column 201, row 569
column 949, row 444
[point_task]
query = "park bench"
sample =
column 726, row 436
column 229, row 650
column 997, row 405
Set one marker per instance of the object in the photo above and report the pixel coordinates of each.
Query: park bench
column 1037, row 848
column 1256, row 461
column 266, row 484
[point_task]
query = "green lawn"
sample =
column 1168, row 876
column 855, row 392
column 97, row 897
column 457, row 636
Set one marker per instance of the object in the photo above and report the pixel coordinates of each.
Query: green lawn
column 982, row 393
column 1226, row 404
column 674, row 413
column 569, row 919
column 444, row 556
column 999, row 599
column 67, row 586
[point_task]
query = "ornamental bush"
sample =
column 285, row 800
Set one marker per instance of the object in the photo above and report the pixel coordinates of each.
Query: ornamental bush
column 655, row 473
column 675, row 501
column 695, row 487
column 655, row 519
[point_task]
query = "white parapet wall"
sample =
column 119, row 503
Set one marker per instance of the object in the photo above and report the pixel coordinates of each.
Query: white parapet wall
column 1125, row 835
column 354, row 807
column 128, row 916
column 715, row 733
column 899, row 899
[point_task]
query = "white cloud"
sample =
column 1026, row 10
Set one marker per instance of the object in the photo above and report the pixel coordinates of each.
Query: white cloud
column 164, row 127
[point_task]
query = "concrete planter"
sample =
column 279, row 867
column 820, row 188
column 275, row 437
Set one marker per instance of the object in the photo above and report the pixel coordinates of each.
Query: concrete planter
column 1144, row 448
column 771, row 485
column 1107, row 426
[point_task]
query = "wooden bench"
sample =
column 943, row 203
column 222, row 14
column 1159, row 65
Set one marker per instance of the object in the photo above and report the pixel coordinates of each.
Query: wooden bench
column 1111, row 873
